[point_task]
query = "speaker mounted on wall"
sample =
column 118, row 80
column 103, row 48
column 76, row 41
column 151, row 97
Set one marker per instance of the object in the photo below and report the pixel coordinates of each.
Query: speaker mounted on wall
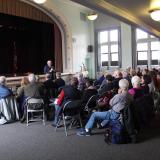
column 90, row 48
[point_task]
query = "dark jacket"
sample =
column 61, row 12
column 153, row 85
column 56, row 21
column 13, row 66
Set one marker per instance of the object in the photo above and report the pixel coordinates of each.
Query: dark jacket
column 50, row 88
column 35, row 90
column 71, row 93
column 105, row 88
column 87, row 94
column 59, row 83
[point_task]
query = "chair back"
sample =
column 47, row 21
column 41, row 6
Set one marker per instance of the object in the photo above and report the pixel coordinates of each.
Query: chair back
column 91, row 102
column 35, row 100
column 34, row 103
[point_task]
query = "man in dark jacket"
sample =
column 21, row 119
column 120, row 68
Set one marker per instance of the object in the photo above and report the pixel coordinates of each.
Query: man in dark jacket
column 34, row 90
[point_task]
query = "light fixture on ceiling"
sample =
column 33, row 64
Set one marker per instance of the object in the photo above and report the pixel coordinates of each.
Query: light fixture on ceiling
column 92, row 16
column 39, row 1
column 155, row 14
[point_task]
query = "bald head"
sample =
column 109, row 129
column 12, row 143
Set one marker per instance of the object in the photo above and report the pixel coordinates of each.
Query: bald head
column 49, row 63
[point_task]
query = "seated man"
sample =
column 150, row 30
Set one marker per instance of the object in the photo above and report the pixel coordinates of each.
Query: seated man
column 118, row 103
column 108, row 86
column 33, row 89
column 59, row 82
column 68, row 93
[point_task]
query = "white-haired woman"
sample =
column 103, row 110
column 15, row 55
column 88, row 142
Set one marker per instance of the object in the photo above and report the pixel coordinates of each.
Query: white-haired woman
column 118, row 103
column 136, row 91
column 4, row 90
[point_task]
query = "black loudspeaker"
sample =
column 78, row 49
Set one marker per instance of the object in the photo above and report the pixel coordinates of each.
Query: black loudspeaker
column 90, row 48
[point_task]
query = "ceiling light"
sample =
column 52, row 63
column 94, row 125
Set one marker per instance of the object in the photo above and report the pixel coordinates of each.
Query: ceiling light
column 39, row 1
column 155, row 14
column 92, row 16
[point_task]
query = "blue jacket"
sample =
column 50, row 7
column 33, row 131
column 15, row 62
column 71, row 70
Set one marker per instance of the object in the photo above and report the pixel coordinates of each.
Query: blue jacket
column 5, row 91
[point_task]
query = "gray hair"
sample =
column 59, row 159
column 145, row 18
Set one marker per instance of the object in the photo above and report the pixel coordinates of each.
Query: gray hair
column 32, row 77
column 2, row 80
column 136, row 80
column 124, row 84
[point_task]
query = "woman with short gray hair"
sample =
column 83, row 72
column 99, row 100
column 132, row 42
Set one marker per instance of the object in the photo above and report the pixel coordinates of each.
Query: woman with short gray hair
column 136, row 91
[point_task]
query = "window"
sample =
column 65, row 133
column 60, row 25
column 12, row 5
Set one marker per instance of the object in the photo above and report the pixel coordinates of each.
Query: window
column 148, row 49
column 108, row 48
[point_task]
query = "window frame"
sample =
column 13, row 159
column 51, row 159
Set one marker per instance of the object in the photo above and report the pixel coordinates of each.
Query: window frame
column 109, row 43
column 147, row 40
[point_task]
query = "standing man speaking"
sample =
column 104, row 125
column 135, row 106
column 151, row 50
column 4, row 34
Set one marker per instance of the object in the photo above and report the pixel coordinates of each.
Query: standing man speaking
column 49, row 69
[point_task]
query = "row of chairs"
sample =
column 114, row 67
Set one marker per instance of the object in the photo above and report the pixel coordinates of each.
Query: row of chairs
column 36, row 105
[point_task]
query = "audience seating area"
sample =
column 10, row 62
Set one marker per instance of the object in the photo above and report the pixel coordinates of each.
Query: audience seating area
column 144, row 86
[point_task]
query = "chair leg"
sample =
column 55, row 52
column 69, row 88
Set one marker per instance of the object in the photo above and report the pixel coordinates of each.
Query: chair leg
column 80, row 120
column 59, row 120
column 27, row 118
column 43, row 118
column 65, row 127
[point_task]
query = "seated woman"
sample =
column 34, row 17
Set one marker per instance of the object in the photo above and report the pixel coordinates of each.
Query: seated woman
column 118, row 103
column 68, row 93
column 20, row 95
column 136, row 91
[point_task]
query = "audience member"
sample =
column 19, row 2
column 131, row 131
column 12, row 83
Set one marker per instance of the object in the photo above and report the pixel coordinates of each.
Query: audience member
column 20, row 94
column 34, row 90
column 108, row 86
column 89, row 91
column 144, row 85
column 59, row 82
column 136, row 91
column 68, row 93
column 100, row 79
column 117, row 77
column 81, row 82
column 4, row 90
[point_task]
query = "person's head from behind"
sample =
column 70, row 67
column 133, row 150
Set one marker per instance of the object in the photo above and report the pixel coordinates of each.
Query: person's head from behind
column 123, row 85
column 58, row 75
column 136, row 81
column 109, row 78
column 125, row 74
column 133, row 73
column 24, row 81
column 117, row 74
column 146, row 79
column 32, row 78
column 74, row 81
column 2, row 80
column 89, row 82
column 49, row 63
